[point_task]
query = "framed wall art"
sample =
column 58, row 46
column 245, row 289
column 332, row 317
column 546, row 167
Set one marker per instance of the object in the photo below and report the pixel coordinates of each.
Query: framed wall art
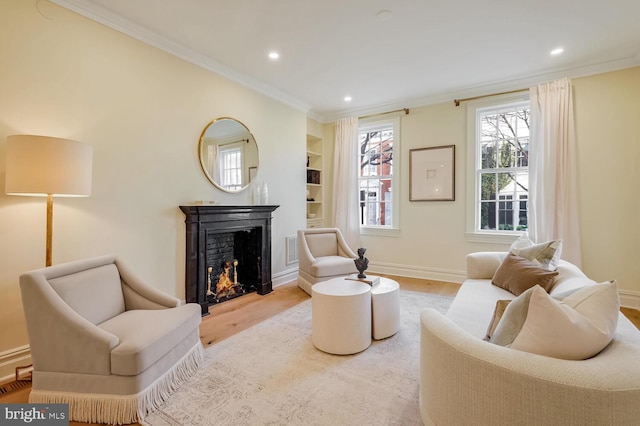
column 432, row 173
column 253, row 171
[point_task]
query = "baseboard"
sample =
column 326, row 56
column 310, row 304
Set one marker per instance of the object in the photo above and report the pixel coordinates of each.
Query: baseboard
column 409, row 271
column 9, row 360
column 629, row 299
column 284, row 277
column 412, row 271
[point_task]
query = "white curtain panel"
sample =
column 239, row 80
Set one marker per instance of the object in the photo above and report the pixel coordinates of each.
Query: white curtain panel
column 212, row 160
column 553, row 211
column 345, row 181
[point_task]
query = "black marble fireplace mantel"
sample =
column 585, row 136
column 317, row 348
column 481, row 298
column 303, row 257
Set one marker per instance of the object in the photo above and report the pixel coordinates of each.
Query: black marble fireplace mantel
column 204, row 222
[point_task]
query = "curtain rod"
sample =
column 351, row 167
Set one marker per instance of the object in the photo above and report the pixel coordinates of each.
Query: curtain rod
column 405, row 110
column 457, row 101
column 232, row 142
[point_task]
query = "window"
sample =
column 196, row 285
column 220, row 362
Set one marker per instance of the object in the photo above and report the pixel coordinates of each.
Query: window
column 231, row 167
column 377, row 142
column 500, row 157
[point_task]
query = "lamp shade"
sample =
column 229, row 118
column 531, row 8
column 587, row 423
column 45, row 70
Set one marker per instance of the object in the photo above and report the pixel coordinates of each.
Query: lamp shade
column 42, row 165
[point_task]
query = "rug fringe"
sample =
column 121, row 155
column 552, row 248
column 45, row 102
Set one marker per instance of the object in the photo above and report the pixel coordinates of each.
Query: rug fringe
column 124, row 409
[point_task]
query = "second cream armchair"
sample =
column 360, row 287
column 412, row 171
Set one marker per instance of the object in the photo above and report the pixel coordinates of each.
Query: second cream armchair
column 323, row 254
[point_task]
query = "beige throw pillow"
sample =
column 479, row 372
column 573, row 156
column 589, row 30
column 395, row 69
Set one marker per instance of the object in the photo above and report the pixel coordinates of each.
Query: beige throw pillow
column 517, row 274
column 546, row 254
column 578, row 327
column 501, row 305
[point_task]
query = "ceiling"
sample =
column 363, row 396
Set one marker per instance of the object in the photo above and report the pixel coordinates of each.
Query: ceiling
column 422, row 52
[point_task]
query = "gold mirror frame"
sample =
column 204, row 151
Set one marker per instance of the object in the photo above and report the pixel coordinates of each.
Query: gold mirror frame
column 226, row 140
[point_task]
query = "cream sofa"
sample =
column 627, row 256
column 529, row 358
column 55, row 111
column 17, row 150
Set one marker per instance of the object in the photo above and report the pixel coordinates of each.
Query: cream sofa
column 104, row 342
column 465, row 380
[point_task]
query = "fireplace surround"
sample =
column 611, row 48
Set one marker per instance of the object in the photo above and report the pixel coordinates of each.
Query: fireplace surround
column 228, row 252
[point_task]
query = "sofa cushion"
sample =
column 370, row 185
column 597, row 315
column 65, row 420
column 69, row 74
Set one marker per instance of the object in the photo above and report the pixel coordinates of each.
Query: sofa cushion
column 95, row 293
column 327, row 266
column 473, row 306
column 517, row 274
column 577, row 327
column 156, row 332
column 545, row 254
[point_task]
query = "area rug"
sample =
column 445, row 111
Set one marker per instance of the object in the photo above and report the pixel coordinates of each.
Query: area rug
column 271, row 374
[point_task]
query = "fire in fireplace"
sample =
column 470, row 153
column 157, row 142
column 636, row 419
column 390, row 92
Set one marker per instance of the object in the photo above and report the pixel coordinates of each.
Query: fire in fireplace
column 234, row 263
column 227, row 287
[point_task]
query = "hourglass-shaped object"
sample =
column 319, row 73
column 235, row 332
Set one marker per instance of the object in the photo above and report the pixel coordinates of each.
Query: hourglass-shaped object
column 209, row 271
column 235, row 271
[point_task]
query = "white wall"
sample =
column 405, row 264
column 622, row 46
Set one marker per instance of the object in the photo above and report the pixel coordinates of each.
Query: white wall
column 607, row 108
column 607, row 112
column 143, row 111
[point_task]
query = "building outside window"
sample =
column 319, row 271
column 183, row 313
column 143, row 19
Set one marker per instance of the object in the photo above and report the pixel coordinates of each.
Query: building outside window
column 377, row 142
column 502, row 167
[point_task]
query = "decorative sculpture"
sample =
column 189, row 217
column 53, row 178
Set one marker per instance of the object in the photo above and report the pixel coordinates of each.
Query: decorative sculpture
column 361, row 262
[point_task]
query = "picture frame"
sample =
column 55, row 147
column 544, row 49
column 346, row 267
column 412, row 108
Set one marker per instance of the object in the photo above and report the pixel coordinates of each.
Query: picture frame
column 253, row 172
column 432, row 172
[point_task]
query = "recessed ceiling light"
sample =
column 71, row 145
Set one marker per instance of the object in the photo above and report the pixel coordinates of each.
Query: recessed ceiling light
column 557, row 51
column 274, row 55
column 347, row 98
column 384, row 15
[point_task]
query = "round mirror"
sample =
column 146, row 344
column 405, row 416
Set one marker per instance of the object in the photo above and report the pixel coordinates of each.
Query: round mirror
column 228, row 154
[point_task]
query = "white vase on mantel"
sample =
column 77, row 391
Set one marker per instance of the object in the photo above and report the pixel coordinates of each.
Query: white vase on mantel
column 264, row 193
column 257, row 193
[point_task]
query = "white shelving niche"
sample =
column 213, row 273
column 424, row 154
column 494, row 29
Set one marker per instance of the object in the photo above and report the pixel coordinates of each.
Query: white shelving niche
column 315, row 180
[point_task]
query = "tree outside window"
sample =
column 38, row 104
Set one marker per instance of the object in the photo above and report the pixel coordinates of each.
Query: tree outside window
column 502, row 173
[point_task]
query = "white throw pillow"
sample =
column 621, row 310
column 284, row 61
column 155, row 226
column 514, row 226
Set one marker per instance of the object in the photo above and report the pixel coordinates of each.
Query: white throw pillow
column 577, row 327
column 546, row 254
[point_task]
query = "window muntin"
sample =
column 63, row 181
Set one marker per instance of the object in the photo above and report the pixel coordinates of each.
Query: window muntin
column 502, row 167
column 377, row 142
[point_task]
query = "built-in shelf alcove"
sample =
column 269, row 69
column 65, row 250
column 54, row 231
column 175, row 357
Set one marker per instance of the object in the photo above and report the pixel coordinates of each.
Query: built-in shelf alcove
column 228, row 252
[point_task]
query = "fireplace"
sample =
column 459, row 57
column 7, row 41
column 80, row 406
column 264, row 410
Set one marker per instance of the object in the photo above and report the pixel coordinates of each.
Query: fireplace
column 228, row 252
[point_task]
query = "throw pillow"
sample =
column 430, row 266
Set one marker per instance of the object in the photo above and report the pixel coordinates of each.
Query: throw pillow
column 517, row 274
column 513, row 319
column 501, row 305
column 546, row 254
column 567, row 287
column 570, row 284
column 578, row 327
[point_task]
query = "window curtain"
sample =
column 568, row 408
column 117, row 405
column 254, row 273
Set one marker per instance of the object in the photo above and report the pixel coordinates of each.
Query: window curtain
column 345, row 181
column 212, row 161
column 553, row 213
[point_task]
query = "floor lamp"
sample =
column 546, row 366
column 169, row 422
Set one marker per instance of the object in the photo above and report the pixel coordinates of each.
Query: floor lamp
column 48, row 167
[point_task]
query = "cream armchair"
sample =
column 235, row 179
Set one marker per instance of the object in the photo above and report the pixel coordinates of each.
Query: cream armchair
column 323, row 254
column 105, row 343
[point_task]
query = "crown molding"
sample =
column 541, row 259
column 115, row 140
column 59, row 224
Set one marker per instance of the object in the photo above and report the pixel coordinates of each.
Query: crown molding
column 105, row 17
column 111, row 20
column 487, row 89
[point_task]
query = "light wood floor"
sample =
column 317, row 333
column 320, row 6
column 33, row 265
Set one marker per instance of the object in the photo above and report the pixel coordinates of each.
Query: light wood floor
column 237, row 315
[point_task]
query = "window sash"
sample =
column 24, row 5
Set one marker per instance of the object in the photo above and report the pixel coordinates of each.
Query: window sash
column 231, row 167
column 508, row 160
column 377, row 185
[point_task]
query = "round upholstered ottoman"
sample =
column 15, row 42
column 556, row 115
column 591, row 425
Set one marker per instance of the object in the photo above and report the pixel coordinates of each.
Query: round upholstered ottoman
column 385, row 308
column 341, row 316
